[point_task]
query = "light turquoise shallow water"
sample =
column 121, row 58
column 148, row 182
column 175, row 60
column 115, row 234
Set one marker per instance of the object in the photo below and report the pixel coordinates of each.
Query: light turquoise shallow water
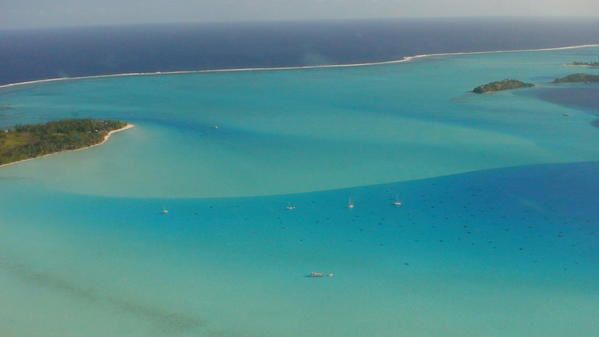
column 497, row 235
column 302, row 131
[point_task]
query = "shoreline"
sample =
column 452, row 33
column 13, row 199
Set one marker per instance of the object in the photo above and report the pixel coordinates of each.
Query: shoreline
column 404, row 59
column 106, row 138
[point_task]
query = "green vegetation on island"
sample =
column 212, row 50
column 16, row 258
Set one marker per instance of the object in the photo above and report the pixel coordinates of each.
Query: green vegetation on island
column 578, row 78
column 586, row 64
column 30, row 141
column 501, row 85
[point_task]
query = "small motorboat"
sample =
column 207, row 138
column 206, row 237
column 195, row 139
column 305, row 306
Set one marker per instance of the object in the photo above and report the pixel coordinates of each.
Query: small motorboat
column 350, row 204
column 396, row 202
column 164, row 211
column 316, row 274
column 290, row 207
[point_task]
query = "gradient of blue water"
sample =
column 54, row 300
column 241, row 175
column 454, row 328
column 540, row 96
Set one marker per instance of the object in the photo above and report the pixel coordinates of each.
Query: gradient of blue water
column 299, row 131
column 467, row 255
column 503, row 252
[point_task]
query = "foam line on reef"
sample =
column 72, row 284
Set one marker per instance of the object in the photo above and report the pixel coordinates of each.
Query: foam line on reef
column 349, row 65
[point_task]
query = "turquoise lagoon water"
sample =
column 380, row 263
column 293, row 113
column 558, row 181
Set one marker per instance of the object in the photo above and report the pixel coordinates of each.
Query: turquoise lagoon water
column 498, row 234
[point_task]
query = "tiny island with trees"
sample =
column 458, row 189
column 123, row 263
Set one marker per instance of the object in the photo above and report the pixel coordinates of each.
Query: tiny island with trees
column 515, row 84
column 594, row 64
column 24, row 142
column 501, row 85
column 578, row 78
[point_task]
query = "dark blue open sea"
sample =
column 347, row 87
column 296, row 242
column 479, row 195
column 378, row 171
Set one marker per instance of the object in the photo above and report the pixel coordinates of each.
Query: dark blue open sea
column 35, row 54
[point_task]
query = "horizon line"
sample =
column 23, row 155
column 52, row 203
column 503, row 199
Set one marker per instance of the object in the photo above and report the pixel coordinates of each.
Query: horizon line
column 287, row 21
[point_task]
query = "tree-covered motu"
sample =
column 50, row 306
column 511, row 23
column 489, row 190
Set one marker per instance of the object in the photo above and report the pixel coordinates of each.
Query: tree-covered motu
column 29, row 141
column 501, row 85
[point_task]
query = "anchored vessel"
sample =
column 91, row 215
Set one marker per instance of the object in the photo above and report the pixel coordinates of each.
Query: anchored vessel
column 316, row 274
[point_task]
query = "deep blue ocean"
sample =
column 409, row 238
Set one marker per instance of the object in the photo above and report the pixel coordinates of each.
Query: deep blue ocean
column 36, row 54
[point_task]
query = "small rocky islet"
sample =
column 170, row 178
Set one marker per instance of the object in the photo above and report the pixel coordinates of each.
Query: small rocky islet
column 577, row 78
column 508, row 84
column 511, row 84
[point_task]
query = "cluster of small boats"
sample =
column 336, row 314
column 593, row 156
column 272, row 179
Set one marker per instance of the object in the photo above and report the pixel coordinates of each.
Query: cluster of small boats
column 350, row 204
column 290, row 207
